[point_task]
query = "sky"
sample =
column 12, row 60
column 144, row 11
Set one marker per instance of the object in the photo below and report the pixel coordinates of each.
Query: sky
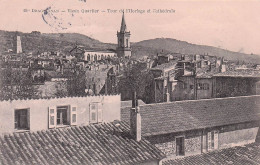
column 231, row 25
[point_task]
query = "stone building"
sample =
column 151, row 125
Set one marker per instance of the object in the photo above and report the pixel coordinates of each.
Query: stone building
column 123, row 40
column 185, row 128
column 191, row 81
column 92, row 55
column 242, row 82
column 18, row 45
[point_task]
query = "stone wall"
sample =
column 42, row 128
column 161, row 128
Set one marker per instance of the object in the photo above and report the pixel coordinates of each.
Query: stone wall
column 195, row 141
column 230, row 86
column 167, row 144
column 192, row 145
column 237, row 135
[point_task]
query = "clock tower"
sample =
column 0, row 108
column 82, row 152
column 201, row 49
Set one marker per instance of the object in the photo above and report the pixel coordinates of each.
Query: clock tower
column 123, row 40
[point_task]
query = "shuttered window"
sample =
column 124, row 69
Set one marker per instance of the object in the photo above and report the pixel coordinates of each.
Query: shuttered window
column 52, row 117
column 95, row 112
column 73, row 115
column 62, row 116
column 212, row 140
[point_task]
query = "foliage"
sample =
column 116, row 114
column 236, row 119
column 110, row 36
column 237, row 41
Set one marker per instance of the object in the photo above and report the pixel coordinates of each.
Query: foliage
column 16, row 83
column 135, row 78
column 76, row 83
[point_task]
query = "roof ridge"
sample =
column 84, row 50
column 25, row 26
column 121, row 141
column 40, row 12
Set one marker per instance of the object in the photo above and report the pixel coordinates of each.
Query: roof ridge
column 55, row 97
column 183, row 101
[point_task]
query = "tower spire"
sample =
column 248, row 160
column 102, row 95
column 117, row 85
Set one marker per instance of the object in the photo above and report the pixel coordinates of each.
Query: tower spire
column 123, row 24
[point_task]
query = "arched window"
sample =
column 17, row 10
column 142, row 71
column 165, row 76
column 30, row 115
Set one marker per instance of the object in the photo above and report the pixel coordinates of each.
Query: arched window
column 88, row 57
column 95, row 57
column 127, row 43
column 121, row 43
column 102, row 56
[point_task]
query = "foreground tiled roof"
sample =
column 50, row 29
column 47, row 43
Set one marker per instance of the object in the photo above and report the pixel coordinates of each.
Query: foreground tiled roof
column 97, row 144
column 180, row 116
column 240, row 73
column 242, row 155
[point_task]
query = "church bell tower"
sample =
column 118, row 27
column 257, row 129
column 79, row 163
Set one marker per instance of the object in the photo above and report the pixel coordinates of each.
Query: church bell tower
column 123, row 40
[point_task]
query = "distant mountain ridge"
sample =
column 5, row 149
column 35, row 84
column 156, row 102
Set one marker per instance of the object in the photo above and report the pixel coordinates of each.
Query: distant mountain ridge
column 176, row 46
column 34, row 42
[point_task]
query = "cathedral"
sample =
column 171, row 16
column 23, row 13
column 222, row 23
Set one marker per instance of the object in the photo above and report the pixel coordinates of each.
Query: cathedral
column 123, row 40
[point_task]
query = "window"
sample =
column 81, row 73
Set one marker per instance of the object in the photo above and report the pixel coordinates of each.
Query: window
column 120, row 43
column 179, row 146
column 199, row 86
column 22, row 119
column 203, row 86
column 184, row 85
column 206, row 86
column 62, row 116
column 96, row 114
column 212, row 140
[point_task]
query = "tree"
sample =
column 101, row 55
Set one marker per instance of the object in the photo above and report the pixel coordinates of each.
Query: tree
column 16, row 83
column 76, row 83
column 135, row 78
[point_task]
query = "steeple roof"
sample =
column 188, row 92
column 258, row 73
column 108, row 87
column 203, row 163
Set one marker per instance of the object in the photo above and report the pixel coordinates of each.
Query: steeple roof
column 123, row 24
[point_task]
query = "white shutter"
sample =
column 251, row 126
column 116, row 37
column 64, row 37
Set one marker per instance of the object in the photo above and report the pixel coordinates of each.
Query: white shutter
column 52, row 117
column 209, row 141
column 92, row 113
column 100, row 112
column 215, row 139
column 73, row 115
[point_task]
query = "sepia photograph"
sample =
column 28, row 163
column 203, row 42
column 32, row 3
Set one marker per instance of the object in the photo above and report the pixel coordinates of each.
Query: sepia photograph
column 120, row 82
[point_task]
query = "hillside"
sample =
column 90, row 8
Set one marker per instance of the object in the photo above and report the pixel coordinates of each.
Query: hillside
column 49, row 42
column 34, row 42
column 172, row 45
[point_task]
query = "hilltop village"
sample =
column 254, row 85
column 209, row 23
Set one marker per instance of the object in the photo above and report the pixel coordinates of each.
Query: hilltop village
column 101, row 106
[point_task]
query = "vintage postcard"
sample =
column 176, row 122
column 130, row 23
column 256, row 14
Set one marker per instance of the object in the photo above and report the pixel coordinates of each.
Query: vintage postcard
column 129, row 82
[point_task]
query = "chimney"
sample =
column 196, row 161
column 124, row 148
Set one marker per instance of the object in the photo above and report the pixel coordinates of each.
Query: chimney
column 167, row 88
column 135, row 119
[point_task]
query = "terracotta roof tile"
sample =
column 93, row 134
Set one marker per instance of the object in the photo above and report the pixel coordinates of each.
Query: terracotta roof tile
column 239, row 73
column 197, row 114
column 95, row 144
column 248, row 154
column 165, row 65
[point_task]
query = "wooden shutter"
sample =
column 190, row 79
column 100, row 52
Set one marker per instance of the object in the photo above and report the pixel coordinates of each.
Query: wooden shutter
column 100, row 112
column 73, row 115
column 52, row 117
column 215, row 139
column 92, row 113
column 209, row 141
column 28, row 118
